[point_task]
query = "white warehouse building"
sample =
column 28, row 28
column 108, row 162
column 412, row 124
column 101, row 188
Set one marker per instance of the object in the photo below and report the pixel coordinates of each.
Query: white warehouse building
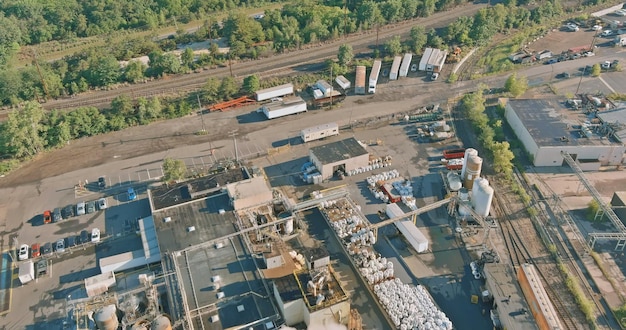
column 546, row 128
column 345, row 155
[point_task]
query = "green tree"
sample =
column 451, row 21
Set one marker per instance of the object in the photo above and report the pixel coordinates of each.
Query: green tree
column 187, row 58
column 393, row 46
column 173, row 169
column 592, row 209
column 502, row 157
column 417, row 38
column 154, row 108
column 516, row 86
column 596, row 70
column 211, row 90
column 251, row 84
column 135, row 71
column 228, row 87
column 345, row 54
column 23, row 130
column 104, row 71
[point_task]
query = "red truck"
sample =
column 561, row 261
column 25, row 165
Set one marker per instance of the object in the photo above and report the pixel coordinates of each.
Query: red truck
column 454, row 153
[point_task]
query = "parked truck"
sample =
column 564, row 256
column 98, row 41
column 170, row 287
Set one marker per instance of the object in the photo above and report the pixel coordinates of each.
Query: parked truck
column 406, row 64
column 27, row 272
column 273, row 92
column 359, row 81
column 286, row 107
column 374, row 77
column 395, row 67
column 319, row 132
column 454, row 153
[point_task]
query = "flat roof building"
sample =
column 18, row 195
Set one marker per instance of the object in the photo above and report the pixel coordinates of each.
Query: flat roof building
column 510, row 310
column 546, row 128
column 344, row 156
column 249, row 193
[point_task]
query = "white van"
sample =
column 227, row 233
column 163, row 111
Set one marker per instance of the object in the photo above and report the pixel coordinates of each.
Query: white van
column 80, row 208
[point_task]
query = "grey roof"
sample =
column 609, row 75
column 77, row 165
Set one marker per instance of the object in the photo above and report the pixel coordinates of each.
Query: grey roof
column 617, row 118
column 203, row 215
column 338, row 151
column 545, row 121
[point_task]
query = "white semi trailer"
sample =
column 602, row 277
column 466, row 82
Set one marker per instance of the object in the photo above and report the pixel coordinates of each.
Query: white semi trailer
column 319, row 132
column 374, row 76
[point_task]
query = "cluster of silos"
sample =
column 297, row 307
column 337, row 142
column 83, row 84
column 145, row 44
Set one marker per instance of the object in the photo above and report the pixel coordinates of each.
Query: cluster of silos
column 482, row 193
column 472, row 165
column 106, row 318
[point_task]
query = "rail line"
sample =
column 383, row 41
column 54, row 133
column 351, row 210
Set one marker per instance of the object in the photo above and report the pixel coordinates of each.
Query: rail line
column 525, row 246
column 566, row 249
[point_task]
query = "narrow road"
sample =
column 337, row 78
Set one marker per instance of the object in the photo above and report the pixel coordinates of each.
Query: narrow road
column 278, row 64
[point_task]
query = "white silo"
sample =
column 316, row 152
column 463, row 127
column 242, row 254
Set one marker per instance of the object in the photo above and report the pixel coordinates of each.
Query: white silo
column 454, row 181
column 106, row 318
column 472, row 170
column 482, row 195
column 161, row 322
column 468, row 153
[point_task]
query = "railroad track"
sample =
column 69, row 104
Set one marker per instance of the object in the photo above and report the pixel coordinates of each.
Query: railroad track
column 525, row 246
column 284, row 64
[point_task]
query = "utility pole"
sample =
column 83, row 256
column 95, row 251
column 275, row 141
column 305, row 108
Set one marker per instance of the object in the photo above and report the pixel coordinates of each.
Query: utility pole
column 203, row 131
column 43, row 81
column 331, row 87
column 234, row 134
column 230, row 64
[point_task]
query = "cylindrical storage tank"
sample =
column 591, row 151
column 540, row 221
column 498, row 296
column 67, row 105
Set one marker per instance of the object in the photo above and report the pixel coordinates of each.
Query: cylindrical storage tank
column 106, row 318
column 482, row 195
column 468, row 152
column 472, row 170
column 454, row 181
column 161, row 322
column 464, row 194
column 289, row 227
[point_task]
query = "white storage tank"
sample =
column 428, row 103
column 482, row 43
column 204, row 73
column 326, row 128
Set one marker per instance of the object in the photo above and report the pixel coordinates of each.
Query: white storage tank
column 468, row 152
column 482, row 195
column 472, row 170
column 454, row 181
column 106, row 318
column 161, row 322
column 289, row 227
column 464, row 194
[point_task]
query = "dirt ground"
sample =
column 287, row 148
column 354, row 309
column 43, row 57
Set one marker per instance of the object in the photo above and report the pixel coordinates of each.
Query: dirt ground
column 558, row 41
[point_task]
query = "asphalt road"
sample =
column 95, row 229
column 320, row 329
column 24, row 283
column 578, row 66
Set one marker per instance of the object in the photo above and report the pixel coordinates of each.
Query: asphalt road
column 278, row 64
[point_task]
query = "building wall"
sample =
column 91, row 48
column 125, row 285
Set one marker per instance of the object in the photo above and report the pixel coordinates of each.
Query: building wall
column 606, row 155
column 616, row 202
column 350, row 164
column 520, row 130
column 320, row 317
column 292, row 311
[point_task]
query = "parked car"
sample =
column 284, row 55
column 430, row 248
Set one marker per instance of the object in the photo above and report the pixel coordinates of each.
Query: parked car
column 413, row 67
column 56, row 214
column 434, row 76
column 46, row 249
column 589, row 54
column 102, row 182
column 597, row 28
column 80, row 208
column 60, row 246
column 102, row 203
column 71, row 241
column 47, row 216
column 95, row 235
column 23, row 252
column 84, row 237
column 620, row 12
column 35, row 250
column 606, row 65
column 131, row 194
column 607, row 33
column 552, row 61
column 91, row 207
column 68, row 211
column 563, row 75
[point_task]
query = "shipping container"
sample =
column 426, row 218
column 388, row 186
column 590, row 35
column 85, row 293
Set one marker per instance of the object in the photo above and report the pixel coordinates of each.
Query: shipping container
column 343, row 82
column 359, row 82
column 324, row 87
column 393, row 211
column 412, row 235
column 27, row 272
column 277, row 91
column 374, row 76
column 406, row 65
column 425, row 57
column 454, row 153
column 395, row 67
column 284, row 108
column 319, row 132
